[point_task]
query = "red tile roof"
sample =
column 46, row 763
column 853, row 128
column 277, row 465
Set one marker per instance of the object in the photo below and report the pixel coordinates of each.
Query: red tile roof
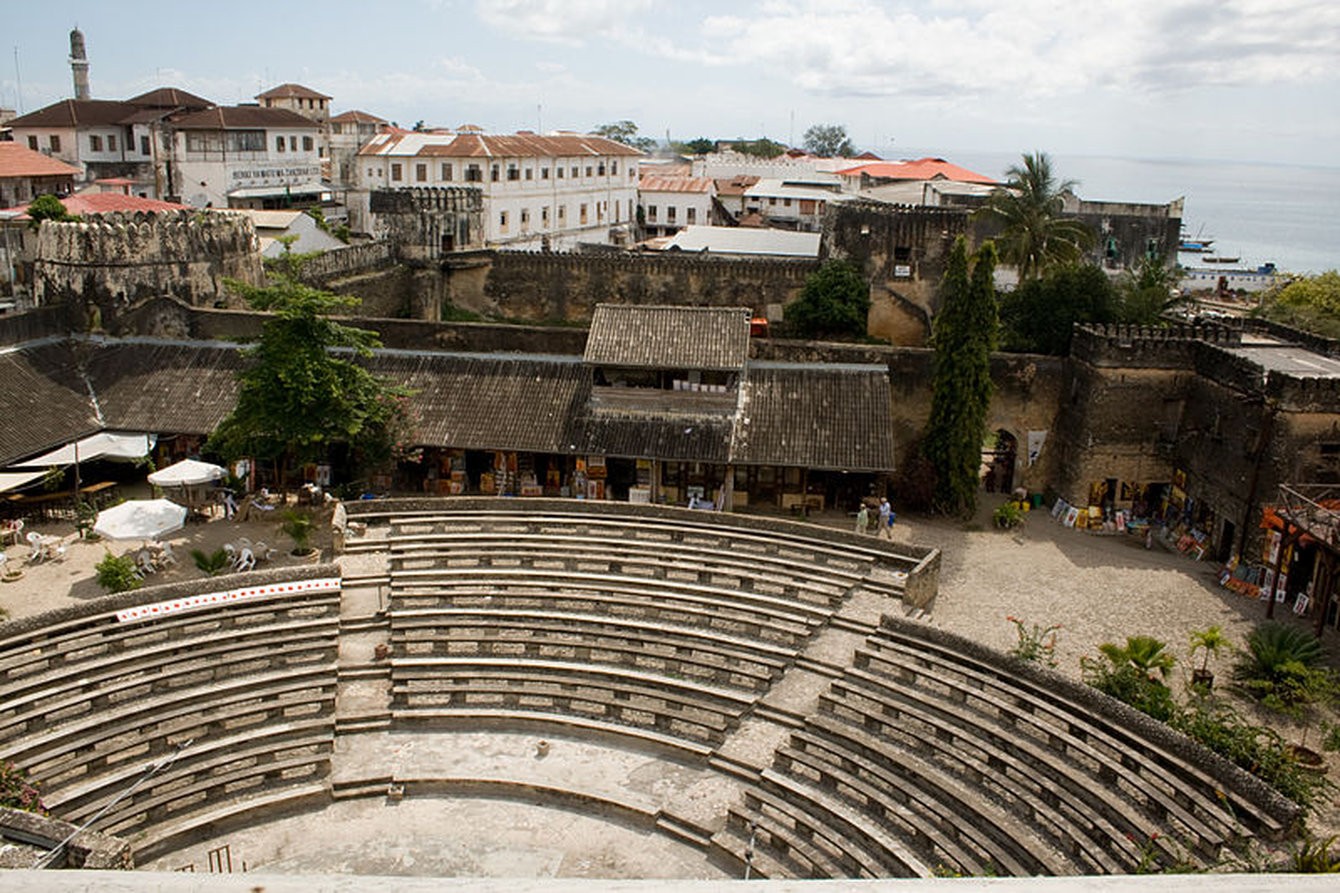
column 356, row 117
column 108, row 202
column 76, row 113
column 920, row 169
column 291, row 91
column 662, row 183
column 17, row 160
column 241, row 117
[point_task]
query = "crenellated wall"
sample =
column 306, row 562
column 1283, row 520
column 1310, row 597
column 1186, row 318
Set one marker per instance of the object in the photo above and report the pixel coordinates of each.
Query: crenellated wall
column 429, row 223
column 115, row 260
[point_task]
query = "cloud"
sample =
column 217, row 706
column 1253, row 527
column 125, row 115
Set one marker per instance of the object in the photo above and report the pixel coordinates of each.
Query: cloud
column 560, row 21
column 1022, row 48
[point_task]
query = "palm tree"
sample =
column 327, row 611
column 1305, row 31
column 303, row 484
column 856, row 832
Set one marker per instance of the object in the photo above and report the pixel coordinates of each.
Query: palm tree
column 1144, row 653
column 1034, row 236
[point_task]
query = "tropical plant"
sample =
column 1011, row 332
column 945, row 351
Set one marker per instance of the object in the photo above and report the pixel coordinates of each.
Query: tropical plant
column 1039, row 315
column 964, row 335
column 1148, row 292
column 17, row 792
column 1133, row 673
column 833, row 303
column 829, row 141
column 1210, row 641
column 299, row 528
column 1281, row 666
column 1145, row 653
column 1037, row 644
column 116, row 573
column 1007, row 516
column 212, row 563
column 1034, row 237
column 297, row 398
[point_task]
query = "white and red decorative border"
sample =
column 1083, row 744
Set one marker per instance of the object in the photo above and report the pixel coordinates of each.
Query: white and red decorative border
column 209, row 599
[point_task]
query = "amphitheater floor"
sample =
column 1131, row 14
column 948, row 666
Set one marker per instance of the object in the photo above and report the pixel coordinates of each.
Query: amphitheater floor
column 451, row 837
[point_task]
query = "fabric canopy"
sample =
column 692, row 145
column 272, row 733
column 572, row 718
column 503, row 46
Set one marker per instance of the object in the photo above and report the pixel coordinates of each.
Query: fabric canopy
column 140, row 519
column 186, row 473
column 104, row 445
column 13, row 479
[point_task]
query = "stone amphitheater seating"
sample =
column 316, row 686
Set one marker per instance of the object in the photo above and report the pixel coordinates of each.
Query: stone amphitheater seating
column 929, row 753
column 232, row 700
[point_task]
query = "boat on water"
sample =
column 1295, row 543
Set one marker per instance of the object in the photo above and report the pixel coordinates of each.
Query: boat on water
column 1200, row 244
column 1220, row 260
column 1235, row 278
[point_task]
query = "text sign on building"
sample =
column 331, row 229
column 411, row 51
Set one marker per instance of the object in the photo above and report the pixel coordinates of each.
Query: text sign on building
column 267, row 176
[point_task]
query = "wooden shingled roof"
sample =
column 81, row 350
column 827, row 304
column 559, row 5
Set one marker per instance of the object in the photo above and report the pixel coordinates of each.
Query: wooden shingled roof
column 43, row 401
column 837, row 418
column 659, row 337
column 165, row 387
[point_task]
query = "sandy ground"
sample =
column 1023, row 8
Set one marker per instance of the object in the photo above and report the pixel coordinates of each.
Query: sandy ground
column 1098, row 588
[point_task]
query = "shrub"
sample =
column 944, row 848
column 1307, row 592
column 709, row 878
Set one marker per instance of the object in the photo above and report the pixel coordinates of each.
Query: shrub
column 116, row 573
column 1313, row 856
column 1008, row 516
column 1130, row 686
column 1281, row 667
column 17, row 792
column 213, row 563
column 1036, row 644
column 299, row 528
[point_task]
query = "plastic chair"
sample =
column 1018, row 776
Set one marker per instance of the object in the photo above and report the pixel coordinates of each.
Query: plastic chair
column 38, row 549
column 263, row 552
column 246, row 560
column 145, row 562
column 166, row 556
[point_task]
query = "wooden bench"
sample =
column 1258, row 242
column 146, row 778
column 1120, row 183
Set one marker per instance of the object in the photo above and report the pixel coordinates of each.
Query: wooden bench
column 1188, row 785
column 687, row 651
column 1079, row 820
column 1106, row 769
column 635, row 698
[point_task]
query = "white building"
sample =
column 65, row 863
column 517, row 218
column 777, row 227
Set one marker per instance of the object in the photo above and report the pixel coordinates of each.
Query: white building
column 247, row 157
column 349, row 132
column 792, row 204
column 670, row 203
column 556, row 190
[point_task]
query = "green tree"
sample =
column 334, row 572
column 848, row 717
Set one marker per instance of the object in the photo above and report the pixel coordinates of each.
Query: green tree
column 626, row 132
column 47, row 207
column 829, row 141
column 116, row 573
column 1038, row 316
column 759, row 148
column 1147, row 292
column 701, row 146
column 964, row 335
column 1034, row 237
column 834, row 303
column 1311, row 303
column 297, row 399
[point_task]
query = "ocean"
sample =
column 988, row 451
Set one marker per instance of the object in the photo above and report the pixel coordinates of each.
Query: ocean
column 1278, row 213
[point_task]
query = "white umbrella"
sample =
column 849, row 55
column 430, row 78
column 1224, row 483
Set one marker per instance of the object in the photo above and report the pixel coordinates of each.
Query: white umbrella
column 186, row 473
column 140, row 519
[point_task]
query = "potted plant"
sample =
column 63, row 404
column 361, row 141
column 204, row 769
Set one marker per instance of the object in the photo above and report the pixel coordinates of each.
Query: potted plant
column 1211, row 641
column 299, row 528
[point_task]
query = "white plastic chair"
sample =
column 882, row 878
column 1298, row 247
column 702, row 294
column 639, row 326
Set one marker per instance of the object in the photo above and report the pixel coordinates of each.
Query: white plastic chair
column 38, row 549
column 145, row 562
column 263, row 552
column 246, row 560
column 165, row 555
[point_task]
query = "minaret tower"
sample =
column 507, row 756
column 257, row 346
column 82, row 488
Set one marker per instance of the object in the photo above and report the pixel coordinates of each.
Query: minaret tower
column 79, row 64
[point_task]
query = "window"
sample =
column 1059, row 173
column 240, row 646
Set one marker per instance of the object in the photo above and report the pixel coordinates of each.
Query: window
column 529, row 173
column 420, row 173
column 525, row 218
column 773, row 201
column 588, row 170
column 576, row 172
column 279, row 143
column 651, row 213
column 369, row 173
column 144, row 145
column 245, row 140
column 208, row 141
column 336, row 129
column 395, row 172
column 670, row 214
column 473, row 174
column 544, row 173
column 502, row 221
column 600, row 169
column 558, row 171
column 562, row 213
column 55, row 143
column 94, row 143
column 786, row 202
column 32, row 143
column 307, row 144
column 691, row 215
column 495, row 173
column 446, row 171
column 293, row 143
column 544, row 216
column 513, row 172
column 582, row 217
column 614, row 168
column 111, row 142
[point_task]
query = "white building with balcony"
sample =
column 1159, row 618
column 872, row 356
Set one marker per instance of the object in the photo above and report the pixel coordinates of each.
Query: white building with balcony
column 247, row 157
column 556, row 191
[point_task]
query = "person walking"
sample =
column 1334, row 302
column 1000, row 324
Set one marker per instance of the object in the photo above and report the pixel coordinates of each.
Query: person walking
column 886, row 518
column 863, row 519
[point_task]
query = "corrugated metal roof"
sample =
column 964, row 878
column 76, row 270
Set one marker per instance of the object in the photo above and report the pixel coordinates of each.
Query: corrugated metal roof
column 668, row 337
column 668, row 183
column 483, row 145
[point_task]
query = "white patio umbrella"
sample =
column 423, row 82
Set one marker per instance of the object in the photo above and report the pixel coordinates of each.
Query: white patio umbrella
column 140, row 519
column 186, row 473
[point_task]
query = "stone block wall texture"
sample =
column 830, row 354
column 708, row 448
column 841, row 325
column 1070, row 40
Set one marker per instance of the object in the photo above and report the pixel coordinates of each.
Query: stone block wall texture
column 429, row 223
column 116, row 260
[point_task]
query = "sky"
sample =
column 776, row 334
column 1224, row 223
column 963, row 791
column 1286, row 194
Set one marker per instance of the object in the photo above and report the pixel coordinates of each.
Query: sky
column 1243, row 80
